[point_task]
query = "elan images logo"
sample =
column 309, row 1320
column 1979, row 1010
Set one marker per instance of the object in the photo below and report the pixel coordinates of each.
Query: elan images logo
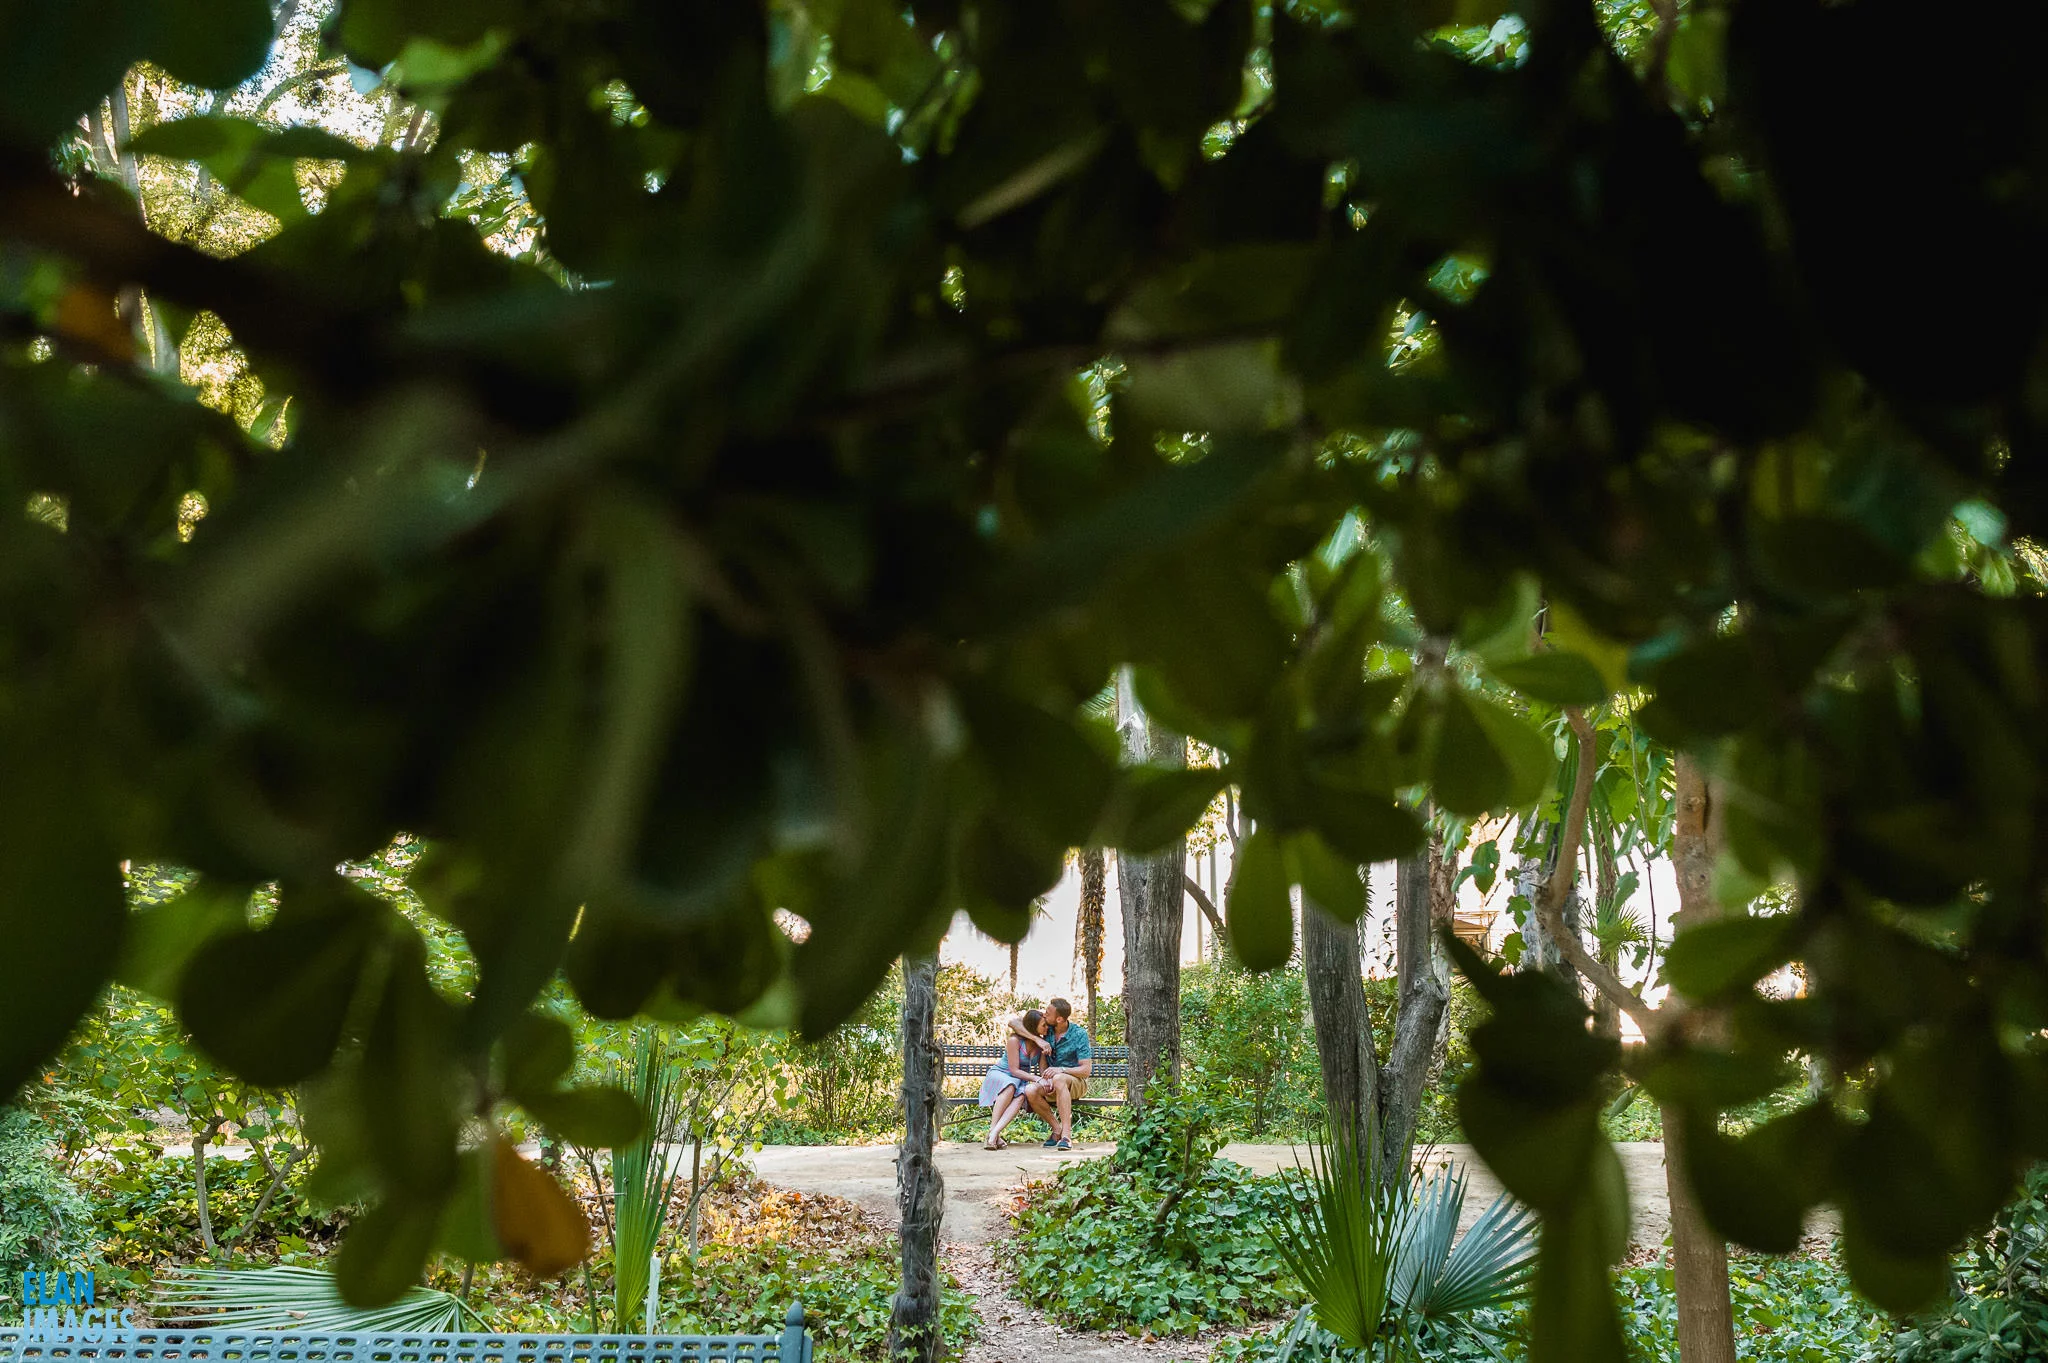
column 60, row 1304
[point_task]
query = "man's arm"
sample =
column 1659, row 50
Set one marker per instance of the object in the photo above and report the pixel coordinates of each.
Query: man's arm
column 1015, row 1023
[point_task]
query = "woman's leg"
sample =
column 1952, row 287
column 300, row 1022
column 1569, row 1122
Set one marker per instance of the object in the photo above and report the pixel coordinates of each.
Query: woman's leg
column 1008, row 1106
column 1004, row 1100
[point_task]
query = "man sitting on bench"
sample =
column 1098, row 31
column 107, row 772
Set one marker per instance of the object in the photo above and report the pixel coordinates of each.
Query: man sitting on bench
column 1065, row 1078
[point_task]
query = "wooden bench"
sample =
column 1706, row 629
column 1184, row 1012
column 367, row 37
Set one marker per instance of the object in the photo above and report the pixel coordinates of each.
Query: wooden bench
column 243, row 1345
column 1112, row 1068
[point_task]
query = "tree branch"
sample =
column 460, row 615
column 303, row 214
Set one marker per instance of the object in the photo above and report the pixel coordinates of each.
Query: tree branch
column 1550, row 899
column 1206, row 905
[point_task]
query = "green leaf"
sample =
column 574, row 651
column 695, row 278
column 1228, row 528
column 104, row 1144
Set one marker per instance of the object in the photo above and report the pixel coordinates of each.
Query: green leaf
column 1747, row 1196
column 386, row 1250
column 1328, row 879
column 1260, row 911
column 212, row 43
column 270, row 1004
column 1901, row 1284
column 62, row 913
column 56, row 61
column 1706, row 1079
column 1047, row 775
column 162, row 937
column 409, row 1081
column 538, row 1049
column 595, row 1116
column 1728, row 955
column 1467, row 774
column 468, row 1227
column 1528, row 754
column 1558, row 678
column 1573, row 1316
column 1365, row 828
column 255, row 162
column 1161, row 806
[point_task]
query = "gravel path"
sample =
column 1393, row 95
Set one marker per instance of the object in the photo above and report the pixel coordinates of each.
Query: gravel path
column 981, row 1191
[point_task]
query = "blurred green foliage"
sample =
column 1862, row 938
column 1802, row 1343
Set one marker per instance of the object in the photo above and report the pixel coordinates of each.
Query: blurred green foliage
column 675, row 496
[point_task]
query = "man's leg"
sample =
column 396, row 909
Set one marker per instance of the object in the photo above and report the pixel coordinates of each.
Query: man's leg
column 1065, row 1086
column 1041, row 1104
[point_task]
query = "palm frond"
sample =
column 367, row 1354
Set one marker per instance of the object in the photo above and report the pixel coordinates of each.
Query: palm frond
column 1489, row 1265
column 1340, row 1244
column 644, row 1173
column 291, row 1298
column 1429, row 1223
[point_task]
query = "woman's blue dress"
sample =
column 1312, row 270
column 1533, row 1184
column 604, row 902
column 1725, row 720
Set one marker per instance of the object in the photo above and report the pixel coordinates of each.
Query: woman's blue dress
column 1000, row 1076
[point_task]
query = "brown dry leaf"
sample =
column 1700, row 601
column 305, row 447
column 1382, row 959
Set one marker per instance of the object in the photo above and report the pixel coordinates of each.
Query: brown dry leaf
column 538, row 1224
column 86, row 315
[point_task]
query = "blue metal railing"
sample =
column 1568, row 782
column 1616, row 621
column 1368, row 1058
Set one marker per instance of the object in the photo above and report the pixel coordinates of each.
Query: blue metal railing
column 17, row 1345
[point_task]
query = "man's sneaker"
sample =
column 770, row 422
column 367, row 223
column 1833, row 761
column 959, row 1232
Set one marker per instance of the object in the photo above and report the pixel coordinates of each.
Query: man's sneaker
column 1051, row 1142
column 1066, row 1144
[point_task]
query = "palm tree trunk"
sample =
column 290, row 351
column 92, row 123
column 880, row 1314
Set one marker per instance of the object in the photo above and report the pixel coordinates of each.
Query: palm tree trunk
column 1606, row 875
column 914, row 1315
column 1094, row 899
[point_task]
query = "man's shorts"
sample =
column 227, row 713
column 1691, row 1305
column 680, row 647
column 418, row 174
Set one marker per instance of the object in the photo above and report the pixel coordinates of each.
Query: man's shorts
column 1079, row 1086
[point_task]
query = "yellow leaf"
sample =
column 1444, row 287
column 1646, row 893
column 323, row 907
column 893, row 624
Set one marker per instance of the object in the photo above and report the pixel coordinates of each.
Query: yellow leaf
column 86, row 315
column 538, row 1224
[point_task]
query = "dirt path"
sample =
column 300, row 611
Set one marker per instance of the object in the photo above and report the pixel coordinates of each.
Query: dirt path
column 981, row 1189
column 980, row 1183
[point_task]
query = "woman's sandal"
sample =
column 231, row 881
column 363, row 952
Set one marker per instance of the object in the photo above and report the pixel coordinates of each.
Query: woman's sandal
column 992, row 1145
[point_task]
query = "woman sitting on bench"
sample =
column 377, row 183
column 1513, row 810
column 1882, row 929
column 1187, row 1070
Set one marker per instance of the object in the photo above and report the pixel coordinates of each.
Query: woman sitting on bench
column 1009, row 1079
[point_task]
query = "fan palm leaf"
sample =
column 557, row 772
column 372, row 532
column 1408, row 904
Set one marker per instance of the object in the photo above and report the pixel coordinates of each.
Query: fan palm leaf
column 300, row 1299
column 1384, row 1266
column 1339, row 1242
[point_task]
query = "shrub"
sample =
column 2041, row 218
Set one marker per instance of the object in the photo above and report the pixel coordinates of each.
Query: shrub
column 146, row 1213
column 1162, row 1238
column 44, row 1221
column 847, row 1086
column 1248, row 1048
column 767, row 1248
column 2000, row 1308
column 1793, row 1310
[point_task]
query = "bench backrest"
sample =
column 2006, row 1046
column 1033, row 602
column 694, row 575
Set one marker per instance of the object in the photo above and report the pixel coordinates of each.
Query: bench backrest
column 793, row 1345
column 972, row 1062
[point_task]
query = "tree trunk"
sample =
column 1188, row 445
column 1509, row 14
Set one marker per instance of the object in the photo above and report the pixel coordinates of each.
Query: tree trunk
column 202, row 1136
column 914, row 1315
column 1421, row 1003
column 1152, row 892
column 1094, row 899
column 1378, row 1103
column 1606, row 876
column 1336, row 1001
column 1443, row 918
column 1699, row 1259
column 1699, row 1262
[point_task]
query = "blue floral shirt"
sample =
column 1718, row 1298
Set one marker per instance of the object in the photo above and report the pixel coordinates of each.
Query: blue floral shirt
column 1070, row 1050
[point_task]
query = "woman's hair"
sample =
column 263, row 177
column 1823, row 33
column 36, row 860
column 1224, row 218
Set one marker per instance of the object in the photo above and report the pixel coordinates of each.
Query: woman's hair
column 1032, row 1017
